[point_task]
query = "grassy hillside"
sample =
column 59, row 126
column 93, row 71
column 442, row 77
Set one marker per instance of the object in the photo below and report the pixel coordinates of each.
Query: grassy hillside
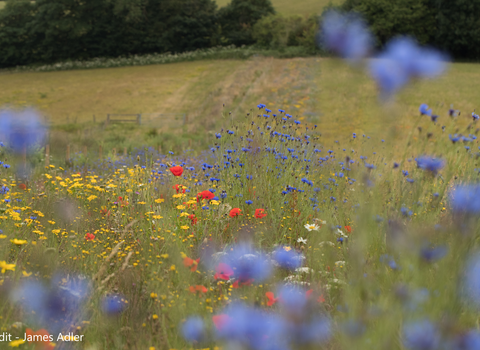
column 302, row 7
column 307, row 87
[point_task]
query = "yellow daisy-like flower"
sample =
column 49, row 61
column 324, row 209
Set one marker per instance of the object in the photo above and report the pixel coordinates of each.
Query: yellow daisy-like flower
column 160, row 200
column 287, row 249
column 26, row 274
column 184, row 214
column 312, row 227
column 180, row 207
column 153, row 295
column 4, row 266
column 18, row 241
column 16, row 343
column 91, row 198
column 184, row 227
column 155, row 317
column 3, row 236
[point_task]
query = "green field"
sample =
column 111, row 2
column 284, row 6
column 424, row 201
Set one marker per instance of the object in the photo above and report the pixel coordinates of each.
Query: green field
column 302, row 7
column 307, row 87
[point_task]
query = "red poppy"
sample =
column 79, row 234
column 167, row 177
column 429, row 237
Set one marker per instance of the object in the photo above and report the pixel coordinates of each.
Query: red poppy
column 193, row 264
column 220, row 321
column 238, row 283
column 89, row 236
column 260, row 213
column 205, row 195
column 176, row 170
column 22, row 186
column 122, row 201
column 271, row 298
column 197, row 288
column 105, row 212
column 179, row 187
column 235, row 212
column 223, row 272
column 308, row 293
column 321, row 299
column 348, row 229
column 44, row 343
column 193, row 218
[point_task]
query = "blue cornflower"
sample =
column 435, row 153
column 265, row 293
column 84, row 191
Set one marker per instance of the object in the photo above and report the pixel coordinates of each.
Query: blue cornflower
column 433, row 254
column 248, row 202
column 421, row 335
column 288, row 259
column 22, row 131
column 424, row 110
column 430, row 164
column 346, row 35
column 113, row 304
column 404, row 59
column 466, row 199
column 193, row 329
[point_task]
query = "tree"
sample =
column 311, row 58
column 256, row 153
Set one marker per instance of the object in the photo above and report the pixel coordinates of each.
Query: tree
column 238, row 17
column 458, row 27
column 389, row 18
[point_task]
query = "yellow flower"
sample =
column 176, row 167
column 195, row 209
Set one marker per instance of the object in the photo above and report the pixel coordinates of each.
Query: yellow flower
column 155, row 317
column 51, row 222
column 3, row 236
column 180, row 207
column 184, row 214
column 26, row 274
column 287, row 248
column 18, row 241
column 91, row 198
column 4, row 266
column 159, row 200
column 214, row 202
column 184, row 227
column 16, row 343
column 172, row 268
column 151, row 348
column 153, row 295
column 165, row 256
column 48, row 176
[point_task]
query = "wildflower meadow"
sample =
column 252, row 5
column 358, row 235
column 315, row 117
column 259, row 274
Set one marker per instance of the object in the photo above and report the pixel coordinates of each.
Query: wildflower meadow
column 271, row 238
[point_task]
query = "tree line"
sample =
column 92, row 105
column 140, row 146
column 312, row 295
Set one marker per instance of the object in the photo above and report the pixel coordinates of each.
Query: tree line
column 48, row 31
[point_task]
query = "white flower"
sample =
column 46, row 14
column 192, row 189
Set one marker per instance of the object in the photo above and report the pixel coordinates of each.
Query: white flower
column 340, row 232
column 303, row 270
column 331, row 244
column 302, row 240
column 312, row 227
column 339, row 263
column 323, row 222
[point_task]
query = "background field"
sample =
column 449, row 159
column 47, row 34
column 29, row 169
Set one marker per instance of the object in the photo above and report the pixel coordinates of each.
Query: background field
column 287, row 7
column 322, row 91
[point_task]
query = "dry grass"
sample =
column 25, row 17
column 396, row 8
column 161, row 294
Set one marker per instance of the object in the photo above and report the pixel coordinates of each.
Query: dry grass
column 319, row 91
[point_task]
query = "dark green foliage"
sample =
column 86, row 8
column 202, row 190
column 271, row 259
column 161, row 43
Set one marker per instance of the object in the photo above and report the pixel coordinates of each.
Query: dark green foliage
column 49, row 31
column 388, row 18
column 238, row 18
column 458, row 27
column 452, row 25
column 279, row 31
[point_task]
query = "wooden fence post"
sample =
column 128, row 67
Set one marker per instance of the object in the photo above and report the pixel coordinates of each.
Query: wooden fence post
column 85, row 151
column 100, row 152
column 47, row 155
column 125, row 151
column 114, row 152
column 68, row 153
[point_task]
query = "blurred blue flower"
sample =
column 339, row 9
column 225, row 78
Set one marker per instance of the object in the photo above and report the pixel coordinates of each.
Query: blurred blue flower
column 433, row 254
column 430, row 164
column 466, row 199
column 193, row 329
column 468, row 341
column 421, row 335
column 248, row 264
column 113, row 304
column 424, row 110
column 402, row 60
column 472, row 279
column 288, row 259
column 21, row 130
column 346, row 35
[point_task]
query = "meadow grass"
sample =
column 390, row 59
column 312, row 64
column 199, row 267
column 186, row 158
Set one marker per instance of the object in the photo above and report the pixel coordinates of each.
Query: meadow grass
column 133, row 231
column 321, row 91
